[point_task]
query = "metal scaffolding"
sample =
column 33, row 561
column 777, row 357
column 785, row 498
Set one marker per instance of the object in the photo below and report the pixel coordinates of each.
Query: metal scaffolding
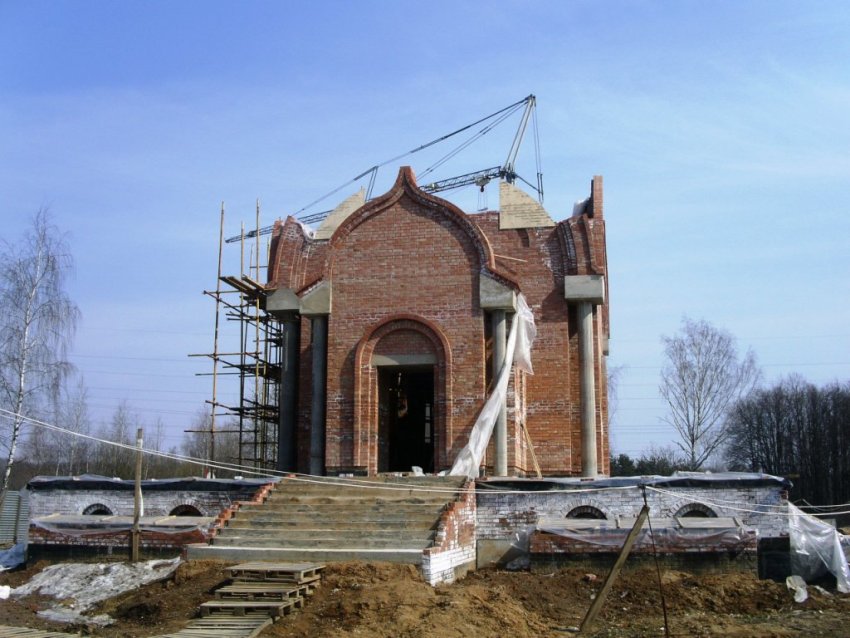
column 255, row 361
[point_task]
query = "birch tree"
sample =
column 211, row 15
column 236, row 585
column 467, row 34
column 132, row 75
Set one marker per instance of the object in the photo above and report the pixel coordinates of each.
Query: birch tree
column 702, row 378
column 37, row 323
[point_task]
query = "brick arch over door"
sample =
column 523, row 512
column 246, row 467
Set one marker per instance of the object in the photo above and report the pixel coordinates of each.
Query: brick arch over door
column 380, row 337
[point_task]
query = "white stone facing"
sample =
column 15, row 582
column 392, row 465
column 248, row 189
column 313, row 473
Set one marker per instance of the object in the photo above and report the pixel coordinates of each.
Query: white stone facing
column 518, row 209
column 502, row 516
column 338, row 214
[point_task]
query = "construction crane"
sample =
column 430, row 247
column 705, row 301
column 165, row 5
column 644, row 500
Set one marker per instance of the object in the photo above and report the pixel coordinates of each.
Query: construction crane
column 507, row 170
column 480, row 178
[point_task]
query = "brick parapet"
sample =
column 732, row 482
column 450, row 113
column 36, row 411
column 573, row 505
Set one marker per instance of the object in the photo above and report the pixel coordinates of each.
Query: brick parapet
column 44, row 502
column 454, row 547
column 502, row 516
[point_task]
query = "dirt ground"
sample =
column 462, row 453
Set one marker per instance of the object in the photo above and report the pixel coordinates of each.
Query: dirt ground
column 392, row 601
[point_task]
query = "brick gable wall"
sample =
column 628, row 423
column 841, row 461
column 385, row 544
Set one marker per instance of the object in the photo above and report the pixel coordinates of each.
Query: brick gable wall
column 418, row 259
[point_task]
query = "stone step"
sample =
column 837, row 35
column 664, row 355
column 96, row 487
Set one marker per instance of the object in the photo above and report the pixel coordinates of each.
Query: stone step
column 325, row 534
column 335, row 519
column 259, row 521
column 437, row 482
column 395, row 510
column 202, row 551
column 325, row 543
column 356, row 498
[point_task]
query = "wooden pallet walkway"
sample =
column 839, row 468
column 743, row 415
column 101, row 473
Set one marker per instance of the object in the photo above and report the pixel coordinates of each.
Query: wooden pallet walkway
column 277, row 572
column 259, row 594
column 21, row 632
column 224, row 626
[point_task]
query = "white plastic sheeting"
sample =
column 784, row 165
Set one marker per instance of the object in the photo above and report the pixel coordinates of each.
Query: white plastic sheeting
column 76, row 526
column 816, row 549
column 517, row 350
column 666, row 538
column 12, row 557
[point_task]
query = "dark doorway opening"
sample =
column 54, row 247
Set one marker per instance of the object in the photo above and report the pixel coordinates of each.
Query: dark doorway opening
column 405, row 418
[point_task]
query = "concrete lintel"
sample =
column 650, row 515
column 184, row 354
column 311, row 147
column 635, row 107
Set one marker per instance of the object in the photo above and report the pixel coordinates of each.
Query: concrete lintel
column 281, row 302
column 317, row 300
column 589, row 288
column 494, row 295
column 403, row 359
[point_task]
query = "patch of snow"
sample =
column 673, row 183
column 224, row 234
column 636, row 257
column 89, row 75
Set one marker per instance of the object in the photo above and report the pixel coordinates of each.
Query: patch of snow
column 80, row 587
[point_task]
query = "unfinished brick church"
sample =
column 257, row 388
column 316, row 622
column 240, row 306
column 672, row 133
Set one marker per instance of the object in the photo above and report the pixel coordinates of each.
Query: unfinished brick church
column 394, row 317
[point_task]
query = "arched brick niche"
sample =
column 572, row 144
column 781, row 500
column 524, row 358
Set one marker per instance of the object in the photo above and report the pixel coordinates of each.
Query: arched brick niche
column 696, row 510
column 405, row 341
column 587, row 512
column 186, row 509
column 98, row 509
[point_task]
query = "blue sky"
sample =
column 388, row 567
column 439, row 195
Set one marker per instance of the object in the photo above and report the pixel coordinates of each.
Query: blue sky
column 722, row 130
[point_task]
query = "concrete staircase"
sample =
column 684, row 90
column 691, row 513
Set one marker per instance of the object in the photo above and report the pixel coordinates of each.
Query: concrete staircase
column 388, row 519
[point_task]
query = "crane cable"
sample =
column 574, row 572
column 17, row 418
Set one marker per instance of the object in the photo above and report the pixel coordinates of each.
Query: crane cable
column 511, row 108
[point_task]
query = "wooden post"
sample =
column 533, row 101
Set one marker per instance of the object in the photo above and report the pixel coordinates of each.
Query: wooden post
column 596, row 607
column 135, row 535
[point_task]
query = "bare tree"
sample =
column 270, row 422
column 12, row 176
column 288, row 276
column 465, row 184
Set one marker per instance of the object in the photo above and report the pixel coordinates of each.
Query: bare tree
column 615, row 374
column 116, row 461
column 702, row 378
column 196, row 442
column 74, row 416
column 37, row 324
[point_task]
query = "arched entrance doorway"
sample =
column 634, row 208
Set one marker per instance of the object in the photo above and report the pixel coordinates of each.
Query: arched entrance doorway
column 405, row 418
column 402, row 397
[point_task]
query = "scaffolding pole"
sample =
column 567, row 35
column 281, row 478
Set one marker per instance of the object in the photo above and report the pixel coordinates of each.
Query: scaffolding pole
column 256, row 360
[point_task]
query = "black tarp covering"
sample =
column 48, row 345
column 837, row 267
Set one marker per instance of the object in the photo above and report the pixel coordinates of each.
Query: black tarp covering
column 678, row 479
column 190, row 484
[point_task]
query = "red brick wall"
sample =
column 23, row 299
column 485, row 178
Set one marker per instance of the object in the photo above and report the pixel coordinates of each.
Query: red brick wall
column 404, row 271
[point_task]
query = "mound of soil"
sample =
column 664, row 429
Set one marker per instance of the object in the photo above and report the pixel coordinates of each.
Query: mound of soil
column 392, row 601
column 372, row 601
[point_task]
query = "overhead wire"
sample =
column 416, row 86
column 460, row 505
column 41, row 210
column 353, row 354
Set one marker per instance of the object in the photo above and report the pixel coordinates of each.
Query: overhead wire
column 389, row 485
column 293, row 476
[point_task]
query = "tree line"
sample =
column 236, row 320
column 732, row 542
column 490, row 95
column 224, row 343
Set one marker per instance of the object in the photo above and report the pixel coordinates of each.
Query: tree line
column 726, row 418
column 798, row 430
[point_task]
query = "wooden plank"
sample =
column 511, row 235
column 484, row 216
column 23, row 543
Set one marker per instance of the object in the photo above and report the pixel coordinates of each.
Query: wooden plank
column 615, row 570
column 221, row 627
column 23, row 632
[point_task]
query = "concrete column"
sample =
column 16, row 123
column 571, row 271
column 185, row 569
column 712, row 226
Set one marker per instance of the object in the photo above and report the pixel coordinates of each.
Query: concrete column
column 587, row 382
column 287, row 452
column 501, row 429
column 319, row 329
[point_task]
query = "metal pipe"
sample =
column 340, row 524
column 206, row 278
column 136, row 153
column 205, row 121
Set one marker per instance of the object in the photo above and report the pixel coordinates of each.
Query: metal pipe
column 588, row 390
column 319, row 330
